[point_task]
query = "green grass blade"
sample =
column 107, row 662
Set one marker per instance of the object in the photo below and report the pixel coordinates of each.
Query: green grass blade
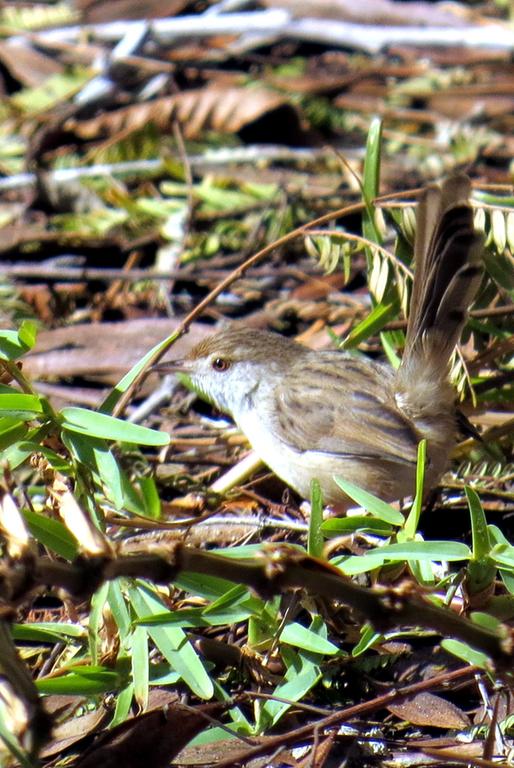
column 109, row 428
column 315, row 537
column 373, row 504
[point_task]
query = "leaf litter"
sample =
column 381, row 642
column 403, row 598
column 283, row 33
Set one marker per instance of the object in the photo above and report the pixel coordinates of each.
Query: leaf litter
column 140, row 166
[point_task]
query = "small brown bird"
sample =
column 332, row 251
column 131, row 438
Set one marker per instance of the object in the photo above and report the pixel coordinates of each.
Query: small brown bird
column 319, row 414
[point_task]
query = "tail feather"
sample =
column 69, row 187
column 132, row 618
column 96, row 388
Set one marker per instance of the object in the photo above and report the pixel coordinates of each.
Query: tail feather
column 448, row 272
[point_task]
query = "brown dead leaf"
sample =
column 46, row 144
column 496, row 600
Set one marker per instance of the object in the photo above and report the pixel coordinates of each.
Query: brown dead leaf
column 467, row 105
column 97, row 11
column 318, row 287
column 226, row 110
column 201, row 755
column 152, row 739
column 74, row 730
column 103, row 350
column 431, row 710
column 61, row 705
column 30, row 67
column 458, row 752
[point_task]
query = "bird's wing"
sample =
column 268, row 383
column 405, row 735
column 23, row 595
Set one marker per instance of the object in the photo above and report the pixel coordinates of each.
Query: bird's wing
column 338, row 404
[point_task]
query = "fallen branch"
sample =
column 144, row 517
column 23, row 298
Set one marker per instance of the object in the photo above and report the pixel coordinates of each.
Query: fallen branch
column 275, row 570
column 276, row 24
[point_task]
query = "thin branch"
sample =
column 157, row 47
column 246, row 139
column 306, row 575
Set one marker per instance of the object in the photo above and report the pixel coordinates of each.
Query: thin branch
column 374, row 38
column 349, row 713
column 275, row 570
column 277, row 23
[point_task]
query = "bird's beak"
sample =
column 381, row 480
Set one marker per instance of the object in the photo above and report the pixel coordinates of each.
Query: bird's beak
column 172, row 366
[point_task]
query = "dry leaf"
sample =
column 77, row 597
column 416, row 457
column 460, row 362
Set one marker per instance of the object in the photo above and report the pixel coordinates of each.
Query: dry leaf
column 152, row 739
column 31, row 68
column 74, row 730
column 226, row 110
column 97, row 11
column 103, row 350
column 429, row 709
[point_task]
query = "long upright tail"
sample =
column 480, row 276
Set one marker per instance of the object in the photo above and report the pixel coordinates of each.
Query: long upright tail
column 448, row 271
column 447, row 275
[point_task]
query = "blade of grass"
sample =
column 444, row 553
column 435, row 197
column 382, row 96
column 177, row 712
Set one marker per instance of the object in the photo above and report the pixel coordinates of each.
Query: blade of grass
column 315, row 537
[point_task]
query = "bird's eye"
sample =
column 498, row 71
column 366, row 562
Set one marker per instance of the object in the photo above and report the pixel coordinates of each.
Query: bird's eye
column 220, row 364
